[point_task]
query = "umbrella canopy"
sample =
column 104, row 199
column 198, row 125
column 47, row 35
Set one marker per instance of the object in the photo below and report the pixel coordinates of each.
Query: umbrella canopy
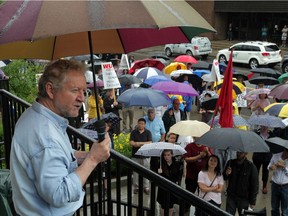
column 200, row 65
column 107, row 117
column 209, row 78
column 32, row 20
column 266, row 120
column 233, row 139
column 185, row 59
column 99, row 84
column 174, row 66
column 277, row 109
column 266, row 72
column 237, row 75
column 253, row 94
column 263, row 80
column 280, row 91
column 155, row 79
column 195, row 80
column 4, row 63
column 145, row 97
column 177, row 73
column 192, row 128
column 128, row 79
column 277, row 144
column 283, row 78
column 238, row 87
column 222, row 67
column 200, row 73
column 146, row 63
column 175, row 88
column 209, row 104
column 237, row 121
column 156, row 149
column 147, row 72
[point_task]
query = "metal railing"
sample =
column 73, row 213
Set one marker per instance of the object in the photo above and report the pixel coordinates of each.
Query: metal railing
column 121, row 201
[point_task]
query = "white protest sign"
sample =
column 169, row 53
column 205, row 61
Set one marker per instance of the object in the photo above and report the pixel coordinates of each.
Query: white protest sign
column 110, row 78
column 215, row 71
column 124, row 63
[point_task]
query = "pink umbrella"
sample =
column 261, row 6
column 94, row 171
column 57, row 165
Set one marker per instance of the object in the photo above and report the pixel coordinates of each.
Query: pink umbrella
column 185, row 59
column 175, row 88
column 252, row 95
column 280, row 91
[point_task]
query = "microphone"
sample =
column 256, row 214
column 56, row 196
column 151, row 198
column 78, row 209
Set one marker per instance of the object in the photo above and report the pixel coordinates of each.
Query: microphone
column 100, row 127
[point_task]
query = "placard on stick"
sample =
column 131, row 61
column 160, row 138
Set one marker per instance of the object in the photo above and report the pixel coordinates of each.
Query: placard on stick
column 110, row 78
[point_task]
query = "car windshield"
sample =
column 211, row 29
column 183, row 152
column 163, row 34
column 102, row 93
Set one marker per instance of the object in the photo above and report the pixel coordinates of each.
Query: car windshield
column 271, row 48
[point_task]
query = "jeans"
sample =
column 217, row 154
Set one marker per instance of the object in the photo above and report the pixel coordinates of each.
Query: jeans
column 146, row 163
column 233, row 203
column 279, row 197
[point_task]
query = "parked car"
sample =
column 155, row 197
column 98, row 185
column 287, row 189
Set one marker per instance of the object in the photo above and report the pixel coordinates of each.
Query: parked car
column 284, row 64
column 254, row 53
column 199, row 46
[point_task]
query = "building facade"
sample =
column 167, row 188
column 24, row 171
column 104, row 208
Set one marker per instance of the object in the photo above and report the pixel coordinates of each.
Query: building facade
column 247, row 18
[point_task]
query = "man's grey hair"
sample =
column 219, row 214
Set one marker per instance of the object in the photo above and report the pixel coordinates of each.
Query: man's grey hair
column 56, row 73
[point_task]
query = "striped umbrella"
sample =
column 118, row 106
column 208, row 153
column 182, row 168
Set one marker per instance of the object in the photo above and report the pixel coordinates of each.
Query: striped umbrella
column 277, row 109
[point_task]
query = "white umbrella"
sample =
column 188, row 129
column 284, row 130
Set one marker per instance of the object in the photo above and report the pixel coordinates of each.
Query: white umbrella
column 177, row 73
column 192, row 128
column 155, row 149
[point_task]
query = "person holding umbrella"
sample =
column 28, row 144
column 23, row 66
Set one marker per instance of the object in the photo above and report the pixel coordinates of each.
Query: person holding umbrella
column 243, row 183
column 279, row 188
column 170, row 169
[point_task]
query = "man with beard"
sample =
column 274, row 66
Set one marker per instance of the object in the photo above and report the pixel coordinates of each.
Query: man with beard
column 242, row 176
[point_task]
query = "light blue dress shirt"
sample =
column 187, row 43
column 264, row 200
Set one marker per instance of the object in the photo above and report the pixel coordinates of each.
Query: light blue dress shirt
column 42, row 164
column 156, row 127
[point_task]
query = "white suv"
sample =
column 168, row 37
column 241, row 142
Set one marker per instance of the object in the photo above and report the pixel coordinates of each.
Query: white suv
column 199, row 46
column 254, row 53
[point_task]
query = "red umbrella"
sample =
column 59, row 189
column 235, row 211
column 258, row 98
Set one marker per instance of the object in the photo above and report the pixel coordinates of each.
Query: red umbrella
column 225, row 98
column 146, row 63
column 185, row 59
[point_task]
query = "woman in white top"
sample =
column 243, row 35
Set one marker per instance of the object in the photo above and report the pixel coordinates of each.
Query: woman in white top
column 210, row 182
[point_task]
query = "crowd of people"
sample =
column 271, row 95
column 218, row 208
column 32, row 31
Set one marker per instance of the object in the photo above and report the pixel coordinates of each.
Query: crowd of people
column 205, row 171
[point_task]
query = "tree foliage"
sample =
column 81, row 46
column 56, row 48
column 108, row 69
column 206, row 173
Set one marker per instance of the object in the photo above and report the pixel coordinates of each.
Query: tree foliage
column 22, row 78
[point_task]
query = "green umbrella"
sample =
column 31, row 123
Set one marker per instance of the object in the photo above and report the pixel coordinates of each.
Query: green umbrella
column 283, row 78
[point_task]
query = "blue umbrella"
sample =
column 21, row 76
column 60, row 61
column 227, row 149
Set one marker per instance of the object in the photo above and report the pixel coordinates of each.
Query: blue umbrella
column 147, row 72
column 222, row 67
column 200, row 73
column 145, row 97
column 155, row 79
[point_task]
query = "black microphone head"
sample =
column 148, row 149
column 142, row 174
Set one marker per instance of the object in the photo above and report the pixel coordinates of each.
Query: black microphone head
column 100, row 127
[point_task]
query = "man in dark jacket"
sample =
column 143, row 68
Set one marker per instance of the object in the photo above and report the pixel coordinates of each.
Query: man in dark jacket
column 173, row 115
column 243, row 184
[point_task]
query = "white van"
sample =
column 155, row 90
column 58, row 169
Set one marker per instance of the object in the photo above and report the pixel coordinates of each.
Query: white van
column 199, row 46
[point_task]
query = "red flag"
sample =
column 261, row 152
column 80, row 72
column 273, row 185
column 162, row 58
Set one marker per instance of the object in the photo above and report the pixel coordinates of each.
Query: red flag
column 225, row 98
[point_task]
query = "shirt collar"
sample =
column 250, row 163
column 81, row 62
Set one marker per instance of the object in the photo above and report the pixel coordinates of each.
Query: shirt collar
column 59, row 121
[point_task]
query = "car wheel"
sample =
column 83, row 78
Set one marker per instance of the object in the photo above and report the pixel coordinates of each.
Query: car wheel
column 189, row 52
column 222, row 59
column 253, row 63
column 285, row 67
column 168, row 52
column 204, row 56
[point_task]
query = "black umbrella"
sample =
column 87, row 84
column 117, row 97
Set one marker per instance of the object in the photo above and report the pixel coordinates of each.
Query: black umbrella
column 108, row 117
column 277, row 144
column 263, row 80
column 266, row 72
column 128, row 79
column 195, row 80
column 200, row 65
column 236, row 75
column 233, row 139
column 209, row 104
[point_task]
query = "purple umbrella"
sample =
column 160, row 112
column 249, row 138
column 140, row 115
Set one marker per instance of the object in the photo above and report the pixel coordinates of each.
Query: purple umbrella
column 175, row 88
